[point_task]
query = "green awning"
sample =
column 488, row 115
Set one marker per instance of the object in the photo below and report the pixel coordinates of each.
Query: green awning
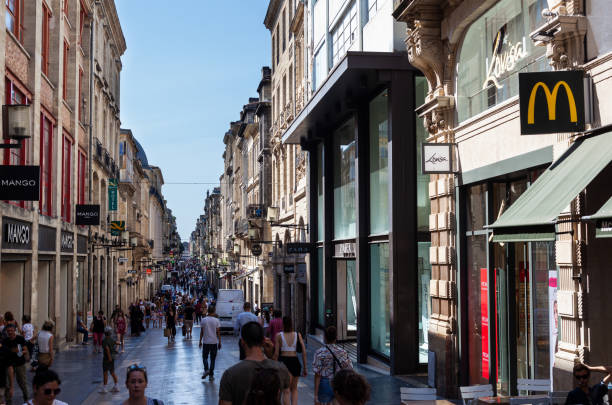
column 539, row 206
column 543, row 235
column 604, row 220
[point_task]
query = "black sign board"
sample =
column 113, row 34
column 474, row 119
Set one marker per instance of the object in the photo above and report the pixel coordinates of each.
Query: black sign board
column 299, row 248
column 604, row 228
column 88, row 214
column 256, row 249
column 552, row 102
column 16, row 234
column 289, row 268
column 19, row 183
column 46, row 238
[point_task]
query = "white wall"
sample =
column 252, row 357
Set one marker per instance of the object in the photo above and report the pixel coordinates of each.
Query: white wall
column 599, row 33
column 382, row 33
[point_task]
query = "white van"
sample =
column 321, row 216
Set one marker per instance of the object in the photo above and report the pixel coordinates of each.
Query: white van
column 229, row 305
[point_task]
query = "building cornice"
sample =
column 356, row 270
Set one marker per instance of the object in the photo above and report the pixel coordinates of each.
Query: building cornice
column 272, row 13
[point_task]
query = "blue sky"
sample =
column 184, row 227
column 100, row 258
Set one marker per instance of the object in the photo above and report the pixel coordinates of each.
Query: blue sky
column 189, row 67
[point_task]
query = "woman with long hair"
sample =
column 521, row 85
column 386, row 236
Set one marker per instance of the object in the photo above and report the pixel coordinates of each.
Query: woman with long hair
column 265, row 388
column 286, row 351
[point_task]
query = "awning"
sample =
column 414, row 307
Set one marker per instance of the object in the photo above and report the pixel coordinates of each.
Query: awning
column 603, row 218
column 537, row 209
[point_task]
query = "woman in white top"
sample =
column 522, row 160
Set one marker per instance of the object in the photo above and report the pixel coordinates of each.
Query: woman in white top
column 45, row 345
column 285, row 351
column 46, row 385
column 28, row 333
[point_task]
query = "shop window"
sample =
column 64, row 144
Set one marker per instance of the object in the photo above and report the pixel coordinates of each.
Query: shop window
column 423, row 201
column 46, row 164
column 379, row 164
column 46, row 18
column 14, row 18
column 345, row 148
column 424, row 272
column 66, row 178
column 496, row 47
column 380, row 303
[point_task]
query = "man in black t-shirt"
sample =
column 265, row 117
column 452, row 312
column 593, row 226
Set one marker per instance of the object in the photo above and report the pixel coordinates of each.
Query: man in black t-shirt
column 16, row 359
column 585, row 395
column 188, row 312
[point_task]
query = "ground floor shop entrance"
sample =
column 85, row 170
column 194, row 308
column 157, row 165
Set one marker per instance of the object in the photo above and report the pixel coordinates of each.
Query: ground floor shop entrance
column 346, row 295
column 12, row 283
column 511, row 295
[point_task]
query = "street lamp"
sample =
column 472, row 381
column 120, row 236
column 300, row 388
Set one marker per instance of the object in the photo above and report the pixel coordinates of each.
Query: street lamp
column 17, row 124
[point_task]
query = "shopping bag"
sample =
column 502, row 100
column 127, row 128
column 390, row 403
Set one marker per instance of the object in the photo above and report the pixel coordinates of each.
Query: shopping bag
column 167, row 332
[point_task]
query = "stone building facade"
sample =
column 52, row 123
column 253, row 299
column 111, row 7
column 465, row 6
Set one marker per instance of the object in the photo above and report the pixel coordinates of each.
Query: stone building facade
column 510, row 305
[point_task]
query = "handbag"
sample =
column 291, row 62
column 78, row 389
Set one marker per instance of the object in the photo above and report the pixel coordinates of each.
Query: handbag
column 166, row 332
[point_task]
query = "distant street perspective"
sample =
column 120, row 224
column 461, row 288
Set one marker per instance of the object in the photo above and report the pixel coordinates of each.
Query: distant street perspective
column 291, row 202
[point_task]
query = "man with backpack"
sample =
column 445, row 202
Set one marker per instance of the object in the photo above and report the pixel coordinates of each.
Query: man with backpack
column 328, row 360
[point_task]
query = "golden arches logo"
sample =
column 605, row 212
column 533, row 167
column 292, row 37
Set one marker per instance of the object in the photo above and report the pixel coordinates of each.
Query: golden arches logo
column 551, row 101
column 118, row 225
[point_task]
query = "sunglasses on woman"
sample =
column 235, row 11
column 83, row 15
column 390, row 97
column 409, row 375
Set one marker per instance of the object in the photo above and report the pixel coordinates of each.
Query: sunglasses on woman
column 137, row 367
column 49, row 391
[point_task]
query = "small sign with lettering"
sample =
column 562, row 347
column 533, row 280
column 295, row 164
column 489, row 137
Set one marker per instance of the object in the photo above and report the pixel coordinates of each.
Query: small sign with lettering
column 67, row 242
column 299, row 248
column 19, row 183
column 437, row 158
column 88, row 214
column 604, row 228
column 16, row 234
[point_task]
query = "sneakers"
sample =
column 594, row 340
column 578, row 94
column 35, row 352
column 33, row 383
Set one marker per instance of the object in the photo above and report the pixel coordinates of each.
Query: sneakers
column 115, row 389
column 205, row 374
column 103, row 390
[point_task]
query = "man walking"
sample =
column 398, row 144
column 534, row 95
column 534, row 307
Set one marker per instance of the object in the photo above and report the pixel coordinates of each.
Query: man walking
column 242, row 319
column 188, row 313
column 236, row 380
column 210, row 337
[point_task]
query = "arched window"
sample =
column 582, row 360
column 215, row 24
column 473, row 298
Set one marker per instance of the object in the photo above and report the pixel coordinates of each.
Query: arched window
column 495, row 49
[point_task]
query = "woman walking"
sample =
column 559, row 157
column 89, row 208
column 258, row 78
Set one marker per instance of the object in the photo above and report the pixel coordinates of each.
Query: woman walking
column 45, row 345
column 120, row 328
column 327, row 361
column 286, row 351
column 136, row 382
column 171, row 323
column 97, row 327
column 46, row 385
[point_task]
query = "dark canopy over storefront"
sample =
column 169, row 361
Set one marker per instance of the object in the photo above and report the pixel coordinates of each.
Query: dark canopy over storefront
column 533, row 216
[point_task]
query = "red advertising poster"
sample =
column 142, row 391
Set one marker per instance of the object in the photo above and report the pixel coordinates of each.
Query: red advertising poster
column 484, row 314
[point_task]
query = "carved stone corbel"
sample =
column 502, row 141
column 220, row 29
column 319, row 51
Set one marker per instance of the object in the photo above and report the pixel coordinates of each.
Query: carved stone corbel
column 565, row 49
column 437, row 114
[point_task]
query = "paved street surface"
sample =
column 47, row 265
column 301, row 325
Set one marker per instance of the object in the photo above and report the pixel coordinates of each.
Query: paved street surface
column 174, row 373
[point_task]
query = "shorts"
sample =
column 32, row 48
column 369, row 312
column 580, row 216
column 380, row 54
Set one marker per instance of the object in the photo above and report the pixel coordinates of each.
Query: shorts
column 108, row 366
column 292, row 363
column 326, row 393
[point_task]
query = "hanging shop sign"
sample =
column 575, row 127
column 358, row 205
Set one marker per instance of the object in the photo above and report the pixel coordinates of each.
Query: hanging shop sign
column 67, row 242
column 19, row 183
column 16, row 234
column 132, row 272
column 256, row 249
column 299, row 248
column 436, row 158
column 117, row 227
column 288, row 268
column 113, row 185
column 552, row 102
column 123, row 260
column 604, row 228
column 88, row 214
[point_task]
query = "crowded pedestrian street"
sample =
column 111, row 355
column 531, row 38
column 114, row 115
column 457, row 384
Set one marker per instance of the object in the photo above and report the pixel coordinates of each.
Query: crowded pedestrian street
column 174, row 373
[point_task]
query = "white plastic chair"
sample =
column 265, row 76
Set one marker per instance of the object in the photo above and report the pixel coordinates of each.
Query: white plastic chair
column 418, row 394
column 532, row 385
column 473, row 392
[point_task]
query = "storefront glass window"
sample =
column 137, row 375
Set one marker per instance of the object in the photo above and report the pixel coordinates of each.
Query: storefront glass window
column 380, row 299
column 320, row 288
column 345, row 148
column 495, row 49
column 424, row 299
column 478, row 317
column 320, row 201
column 423, row 202
column 379, row 164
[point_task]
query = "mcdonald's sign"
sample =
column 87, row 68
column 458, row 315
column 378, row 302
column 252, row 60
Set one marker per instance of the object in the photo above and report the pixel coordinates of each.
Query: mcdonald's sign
column 117, row 227
column 552, row 102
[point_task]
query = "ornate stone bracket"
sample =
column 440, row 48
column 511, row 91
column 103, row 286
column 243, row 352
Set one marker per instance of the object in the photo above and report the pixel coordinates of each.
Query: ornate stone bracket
column 565, row 49
column 437, row 114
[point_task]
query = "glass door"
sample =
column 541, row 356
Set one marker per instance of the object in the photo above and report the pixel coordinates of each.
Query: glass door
column 351, row 297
